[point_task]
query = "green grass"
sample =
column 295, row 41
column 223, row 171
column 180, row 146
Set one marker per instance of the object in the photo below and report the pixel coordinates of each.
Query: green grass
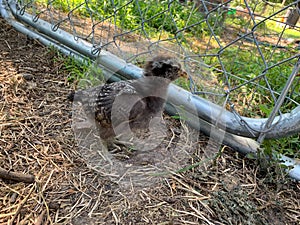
column 83, row 74
column 244, row 62
column 288, row 146
column 288, row 33
column 154, row 15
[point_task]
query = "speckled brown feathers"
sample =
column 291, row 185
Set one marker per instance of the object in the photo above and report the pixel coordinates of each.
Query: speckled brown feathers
column 134, row 101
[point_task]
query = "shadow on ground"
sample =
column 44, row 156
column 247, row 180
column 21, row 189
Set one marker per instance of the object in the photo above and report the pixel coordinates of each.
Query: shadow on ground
column 36, row 138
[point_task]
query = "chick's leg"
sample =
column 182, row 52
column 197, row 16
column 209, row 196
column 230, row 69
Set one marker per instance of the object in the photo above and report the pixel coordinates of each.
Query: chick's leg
column 120, row 149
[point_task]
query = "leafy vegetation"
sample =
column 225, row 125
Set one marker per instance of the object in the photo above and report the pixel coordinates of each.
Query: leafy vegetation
column 152, row 15
column 83, row 73
column 185, row 23
column 288, row 146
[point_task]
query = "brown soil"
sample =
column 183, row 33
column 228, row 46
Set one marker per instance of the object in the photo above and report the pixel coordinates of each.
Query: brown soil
column 36, row 138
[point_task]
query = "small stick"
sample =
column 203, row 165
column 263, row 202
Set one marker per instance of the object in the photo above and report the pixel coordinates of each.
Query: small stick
column 39, row 220
column 20, row 206
column 20, row 177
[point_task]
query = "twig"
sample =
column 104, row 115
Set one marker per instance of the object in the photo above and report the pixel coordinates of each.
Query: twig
column 20, row 177
column 40, row 218
column 20, row 206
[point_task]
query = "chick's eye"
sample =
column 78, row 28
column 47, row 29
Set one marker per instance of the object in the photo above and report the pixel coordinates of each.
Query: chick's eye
column 176, row 69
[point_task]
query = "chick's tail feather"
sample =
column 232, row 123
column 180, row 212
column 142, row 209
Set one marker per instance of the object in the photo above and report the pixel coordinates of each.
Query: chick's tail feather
column 71, row 96
column 78, row 94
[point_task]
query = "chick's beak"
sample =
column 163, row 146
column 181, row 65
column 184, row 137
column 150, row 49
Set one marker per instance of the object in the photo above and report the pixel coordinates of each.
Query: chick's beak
column 183, row 74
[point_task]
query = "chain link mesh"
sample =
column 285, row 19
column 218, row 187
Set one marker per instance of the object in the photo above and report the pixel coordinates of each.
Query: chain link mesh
column 239, row 54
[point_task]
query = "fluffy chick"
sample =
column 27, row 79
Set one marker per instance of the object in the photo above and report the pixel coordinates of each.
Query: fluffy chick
column 131, row 104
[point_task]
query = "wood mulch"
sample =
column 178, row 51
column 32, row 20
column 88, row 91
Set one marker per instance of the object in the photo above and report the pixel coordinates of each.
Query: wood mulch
column 45, row 179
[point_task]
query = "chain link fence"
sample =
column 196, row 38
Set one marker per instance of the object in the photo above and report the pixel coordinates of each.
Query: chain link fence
column 242, row 56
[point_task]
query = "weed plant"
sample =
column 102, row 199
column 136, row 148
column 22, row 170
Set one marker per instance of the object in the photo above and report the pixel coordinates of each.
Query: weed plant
column 171, row 17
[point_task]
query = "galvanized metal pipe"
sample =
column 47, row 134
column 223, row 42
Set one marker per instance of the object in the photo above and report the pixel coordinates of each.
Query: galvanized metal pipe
column 203, row 115
column 280, row 100
column 286, row 125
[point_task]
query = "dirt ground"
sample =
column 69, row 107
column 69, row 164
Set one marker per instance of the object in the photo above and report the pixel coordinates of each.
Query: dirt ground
column 37, row 139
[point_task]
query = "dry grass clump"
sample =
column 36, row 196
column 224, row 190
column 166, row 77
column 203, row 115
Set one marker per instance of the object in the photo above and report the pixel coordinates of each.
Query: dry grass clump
column 37, row 140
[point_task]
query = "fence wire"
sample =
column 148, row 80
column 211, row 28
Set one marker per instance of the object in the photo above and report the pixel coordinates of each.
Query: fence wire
column 241, row 55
